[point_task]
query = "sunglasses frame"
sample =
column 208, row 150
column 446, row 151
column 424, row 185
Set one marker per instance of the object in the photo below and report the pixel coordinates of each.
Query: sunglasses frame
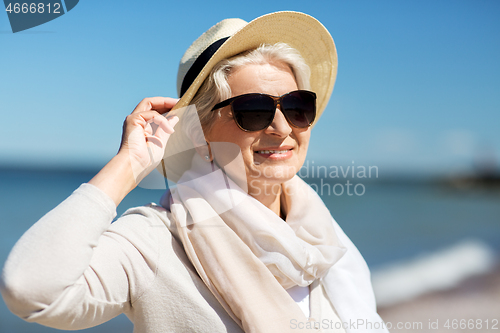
column 277, row 102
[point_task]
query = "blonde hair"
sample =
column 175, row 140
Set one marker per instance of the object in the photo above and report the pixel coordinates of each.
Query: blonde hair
column 215, row 88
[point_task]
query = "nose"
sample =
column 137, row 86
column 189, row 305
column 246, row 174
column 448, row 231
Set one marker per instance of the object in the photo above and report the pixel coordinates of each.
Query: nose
column 280, row 125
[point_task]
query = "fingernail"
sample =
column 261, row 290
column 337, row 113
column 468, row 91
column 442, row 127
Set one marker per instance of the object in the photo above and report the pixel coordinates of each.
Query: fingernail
column 175, row 120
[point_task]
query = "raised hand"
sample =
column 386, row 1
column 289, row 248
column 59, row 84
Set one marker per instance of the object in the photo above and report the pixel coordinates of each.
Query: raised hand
column 145, row 134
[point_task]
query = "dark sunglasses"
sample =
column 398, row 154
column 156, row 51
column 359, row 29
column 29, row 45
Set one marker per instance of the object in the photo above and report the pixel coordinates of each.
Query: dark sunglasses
column 255, row 112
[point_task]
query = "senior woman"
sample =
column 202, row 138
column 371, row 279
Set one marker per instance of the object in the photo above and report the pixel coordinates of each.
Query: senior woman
column 240, row 243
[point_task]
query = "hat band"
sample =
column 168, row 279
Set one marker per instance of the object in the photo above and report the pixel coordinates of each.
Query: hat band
column 199, row 63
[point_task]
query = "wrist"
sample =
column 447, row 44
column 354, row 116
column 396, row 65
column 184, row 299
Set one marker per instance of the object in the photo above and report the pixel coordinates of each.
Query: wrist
column 117, row 178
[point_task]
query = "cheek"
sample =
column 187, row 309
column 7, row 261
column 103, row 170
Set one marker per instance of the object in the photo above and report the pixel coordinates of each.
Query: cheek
column 243, row 141
column 303, row 140
column 229, row 132
column 223, row 130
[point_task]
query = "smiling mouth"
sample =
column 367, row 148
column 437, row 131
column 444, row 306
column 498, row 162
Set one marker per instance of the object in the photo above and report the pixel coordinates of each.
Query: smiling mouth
column 284, row 151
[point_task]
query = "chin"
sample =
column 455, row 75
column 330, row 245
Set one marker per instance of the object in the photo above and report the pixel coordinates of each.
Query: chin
column 273, row 174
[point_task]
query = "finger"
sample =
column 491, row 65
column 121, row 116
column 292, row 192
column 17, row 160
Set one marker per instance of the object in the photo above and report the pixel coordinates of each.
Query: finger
column 160, row 104
column 143, row 118
column 155, row 141
column 163, row 130
column 166, row 124
column 151, row 123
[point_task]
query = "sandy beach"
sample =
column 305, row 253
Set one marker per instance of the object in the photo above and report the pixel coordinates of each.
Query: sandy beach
column 472, row 306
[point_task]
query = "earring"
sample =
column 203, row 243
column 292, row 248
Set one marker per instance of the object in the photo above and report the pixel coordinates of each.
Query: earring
column 207, row 157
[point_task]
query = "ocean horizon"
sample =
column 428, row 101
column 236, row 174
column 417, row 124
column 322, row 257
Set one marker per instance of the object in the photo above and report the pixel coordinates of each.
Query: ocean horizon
column 391, row 220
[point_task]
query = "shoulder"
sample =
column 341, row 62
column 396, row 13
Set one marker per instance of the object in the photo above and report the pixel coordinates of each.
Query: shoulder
column 144, row 216
column 142, row 226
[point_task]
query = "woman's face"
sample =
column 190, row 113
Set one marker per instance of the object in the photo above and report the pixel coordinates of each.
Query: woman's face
column 288, row 144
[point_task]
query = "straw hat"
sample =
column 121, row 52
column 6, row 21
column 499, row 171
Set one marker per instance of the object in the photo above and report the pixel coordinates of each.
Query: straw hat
column 231, row 37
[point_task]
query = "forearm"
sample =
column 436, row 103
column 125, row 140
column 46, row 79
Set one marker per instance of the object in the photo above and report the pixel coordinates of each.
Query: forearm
column 54, row 253
column 117, row 178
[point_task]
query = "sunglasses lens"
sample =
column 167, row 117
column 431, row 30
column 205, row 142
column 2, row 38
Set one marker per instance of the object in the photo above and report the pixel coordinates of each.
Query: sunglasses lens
column 300, row 108
column 254, row 112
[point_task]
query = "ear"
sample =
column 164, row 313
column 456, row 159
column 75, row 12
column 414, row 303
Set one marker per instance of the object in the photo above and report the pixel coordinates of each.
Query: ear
column 205, row 152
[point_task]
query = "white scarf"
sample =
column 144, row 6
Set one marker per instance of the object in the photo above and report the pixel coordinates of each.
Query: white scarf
column 248, row 256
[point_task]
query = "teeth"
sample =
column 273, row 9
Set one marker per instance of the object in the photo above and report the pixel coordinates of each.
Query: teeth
column 272, row 151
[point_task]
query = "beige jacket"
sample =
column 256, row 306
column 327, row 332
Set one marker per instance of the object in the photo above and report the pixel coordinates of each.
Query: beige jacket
column 75, row 269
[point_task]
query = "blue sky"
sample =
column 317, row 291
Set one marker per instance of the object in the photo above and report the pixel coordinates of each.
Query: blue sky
column 418, row 87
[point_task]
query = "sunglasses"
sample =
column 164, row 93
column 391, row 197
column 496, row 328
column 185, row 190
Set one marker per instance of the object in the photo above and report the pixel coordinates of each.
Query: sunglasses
column 255, row 112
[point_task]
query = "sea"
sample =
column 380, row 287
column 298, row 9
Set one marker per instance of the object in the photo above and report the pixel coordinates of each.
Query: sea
column 399, row 224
